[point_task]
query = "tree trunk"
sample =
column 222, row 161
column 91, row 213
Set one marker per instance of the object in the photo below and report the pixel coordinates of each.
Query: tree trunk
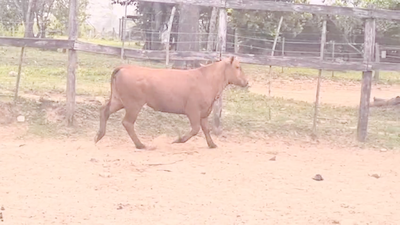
column 28, row 23
column 188, row 33
column 212, row 30
column 42, row 32
column 156, row 25
column 147, row 23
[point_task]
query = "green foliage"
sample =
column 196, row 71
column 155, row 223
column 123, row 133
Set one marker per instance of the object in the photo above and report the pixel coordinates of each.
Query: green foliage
column 354, row 26
column 61, row 13
column 10, row 16
column 265, row 22
column 262, row 25
column 51, row 14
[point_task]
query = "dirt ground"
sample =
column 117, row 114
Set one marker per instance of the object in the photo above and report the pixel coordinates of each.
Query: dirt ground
column 333, row 93
column 72, row 181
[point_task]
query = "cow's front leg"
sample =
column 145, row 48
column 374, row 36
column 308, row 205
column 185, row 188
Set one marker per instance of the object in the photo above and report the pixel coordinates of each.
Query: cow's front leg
column 206, row 131
column 195, row 124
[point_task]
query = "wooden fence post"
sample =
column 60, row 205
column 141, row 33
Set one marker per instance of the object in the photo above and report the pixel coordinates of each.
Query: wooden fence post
column 123, row 32
column 72, row 61
column 217, row 106
column 236, row 41
column 21, row 58
column 120, row 28
column 321, row 56
column 168, row 36
column 213, row 21
column 333, row 55
column 283, row 49
column 377, row 60
column 278, row 30
column 369, row 42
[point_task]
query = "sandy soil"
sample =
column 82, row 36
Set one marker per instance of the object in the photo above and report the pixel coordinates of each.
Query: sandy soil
column 75, row 182
column 72, row 181
column 334, row 93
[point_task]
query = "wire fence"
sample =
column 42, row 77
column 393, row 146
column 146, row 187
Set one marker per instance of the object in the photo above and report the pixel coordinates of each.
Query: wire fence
column 146, row 34
column 44, row 72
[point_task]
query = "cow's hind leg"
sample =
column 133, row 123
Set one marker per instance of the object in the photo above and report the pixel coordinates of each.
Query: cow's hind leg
column 195, row 124
column 111, row 107
column 129, row 124
column 206, row 131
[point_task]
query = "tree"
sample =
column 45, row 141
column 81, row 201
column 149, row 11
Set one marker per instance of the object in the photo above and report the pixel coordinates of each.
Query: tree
column 258, row 26
column 13, row 12
column 61, row 13
column 188, row 38
column 29, row 18
column 153, row 15
column 351, row 26
column 42, row 13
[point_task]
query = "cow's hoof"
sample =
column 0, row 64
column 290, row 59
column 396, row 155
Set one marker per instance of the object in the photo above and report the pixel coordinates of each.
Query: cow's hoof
column 212, row 145
column 96, row 138
column 179, row 140
column 140, row 146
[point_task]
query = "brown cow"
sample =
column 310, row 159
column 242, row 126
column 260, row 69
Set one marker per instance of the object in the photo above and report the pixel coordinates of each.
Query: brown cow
column 189, row 92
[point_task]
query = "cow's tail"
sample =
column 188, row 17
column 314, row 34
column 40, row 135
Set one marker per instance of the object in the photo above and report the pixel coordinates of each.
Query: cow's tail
column 105, row 109
column 112, row 81
column 112, row 88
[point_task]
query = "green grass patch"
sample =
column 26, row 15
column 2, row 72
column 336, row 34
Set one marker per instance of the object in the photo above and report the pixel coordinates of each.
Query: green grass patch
column 261, row 74
column 44, row 72
column 243, row 113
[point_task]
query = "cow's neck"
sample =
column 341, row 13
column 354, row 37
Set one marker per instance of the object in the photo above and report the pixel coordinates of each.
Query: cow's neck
column 215, row 74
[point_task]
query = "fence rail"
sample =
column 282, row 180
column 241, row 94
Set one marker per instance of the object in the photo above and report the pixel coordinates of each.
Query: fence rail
column 36, row 43
column 290, row 7
column 309, row 62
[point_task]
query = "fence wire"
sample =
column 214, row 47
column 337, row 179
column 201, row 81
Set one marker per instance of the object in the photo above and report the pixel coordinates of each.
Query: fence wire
column 239, row 40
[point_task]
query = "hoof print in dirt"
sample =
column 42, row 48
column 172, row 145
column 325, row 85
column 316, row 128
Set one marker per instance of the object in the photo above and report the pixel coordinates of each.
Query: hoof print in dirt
column 273, row 158
column 318, row 177
column 375, row 175
column 93, row 160
column 105, row 175
column 121, row 206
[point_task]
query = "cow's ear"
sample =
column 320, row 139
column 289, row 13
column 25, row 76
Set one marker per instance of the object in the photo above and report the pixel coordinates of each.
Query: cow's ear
column 231, row 59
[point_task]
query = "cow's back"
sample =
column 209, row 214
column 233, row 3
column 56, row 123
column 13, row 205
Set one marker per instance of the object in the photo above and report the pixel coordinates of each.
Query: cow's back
column 165, row 90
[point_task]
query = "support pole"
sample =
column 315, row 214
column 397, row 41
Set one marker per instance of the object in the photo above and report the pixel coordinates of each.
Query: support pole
column 72, row 61
column 21, row 58
column 236, row 41
column 283, row 49
column 377, row 60
column 211, row 34
column 333, row 55
column 168, row 36
column 321, row 56
column 217, row 107
column 278, row 30
column 369, row 43
column 123, row 32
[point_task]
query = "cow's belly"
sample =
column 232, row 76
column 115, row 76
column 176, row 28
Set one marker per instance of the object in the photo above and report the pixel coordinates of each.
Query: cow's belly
column 167, row 106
